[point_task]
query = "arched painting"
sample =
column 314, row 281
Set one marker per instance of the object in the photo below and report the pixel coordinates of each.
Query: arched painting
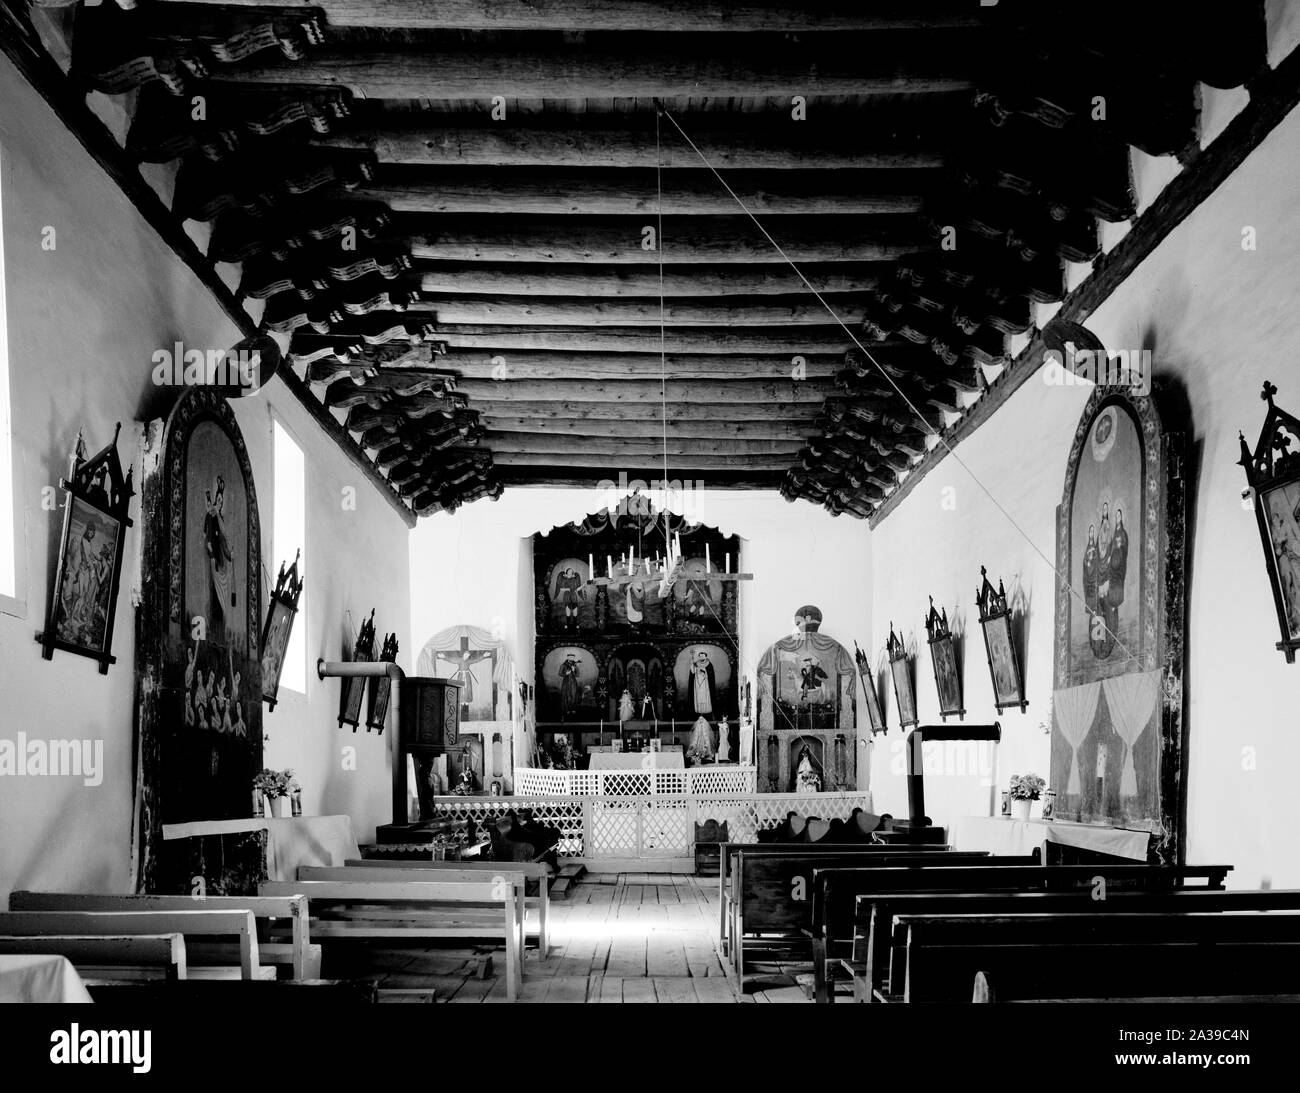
column 702, row 674
column 569, row 676
column 571, row 596
column 1116, row 710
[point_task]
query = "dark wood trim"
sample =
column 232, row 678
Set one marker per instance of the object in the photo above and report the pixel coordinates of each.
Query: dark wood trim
column 35, row 66
column 1273, row 94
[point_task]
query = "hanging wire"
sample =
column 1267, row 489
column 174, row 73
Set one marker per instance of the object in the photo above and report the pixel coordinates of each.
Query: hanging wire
column 930, row 429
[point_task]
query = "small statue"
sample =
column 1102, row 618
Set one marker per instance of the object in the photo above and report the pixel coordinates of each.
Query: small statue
column 701, row 749
column 724, row 745
column 625, row 711
column 806, row 780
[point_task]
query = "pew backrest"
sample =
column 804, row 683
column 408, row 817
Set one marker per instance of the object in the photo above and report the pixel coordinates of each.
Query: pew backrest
column 238, row 923
column 291, row 909
column 161, row 952
column 531, row 870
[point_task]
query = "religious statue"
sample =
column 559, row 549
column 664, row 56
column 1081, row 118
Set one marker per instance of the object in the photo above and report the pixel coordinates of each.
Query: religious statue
column 805, row 778
column 724, row 744
column 701, row 748
column 703, row 688
column 625, row 710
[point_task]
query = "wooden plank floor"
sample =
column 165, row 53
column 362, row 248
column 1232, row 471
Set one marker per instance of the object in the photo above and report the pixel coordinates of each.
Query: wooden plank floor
column 630, row 937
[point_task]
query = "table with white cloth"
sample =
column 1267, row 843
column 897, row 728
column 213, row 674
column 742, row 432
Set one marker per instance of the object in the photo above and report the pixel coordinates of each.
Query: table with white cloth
column 638, row 760
column 40, row 978
column 301, row 840
column 1003, row 835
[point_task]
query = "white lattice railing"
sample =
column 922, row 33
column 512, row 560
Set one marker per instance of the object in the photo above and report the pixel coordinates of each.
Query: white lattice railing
column 637, row 782
column 651, row 825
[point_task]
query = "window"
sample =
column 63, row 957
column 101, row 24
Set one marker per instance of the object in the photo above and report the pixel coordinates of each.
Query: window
column 289, row 535
column 8, row 521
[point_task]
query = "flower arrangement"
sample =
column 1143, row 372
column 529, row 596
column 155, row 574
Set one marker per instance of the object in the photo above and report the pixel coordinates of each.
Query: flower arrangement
column 1027, row 787
column 275, row 783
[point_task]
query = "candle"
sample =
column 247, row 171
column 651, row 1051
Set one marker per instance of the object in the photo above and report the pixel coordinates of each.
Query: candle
column 609, row 566
column 631, row 558
column 677, row 546
column 591, row 568
column 728, row 562
column 708, row 559
column 647, row 567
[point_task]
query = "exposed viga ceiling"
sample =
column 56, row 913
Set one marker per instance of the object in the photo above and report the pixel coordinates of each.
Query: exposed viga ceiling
column 453, row 209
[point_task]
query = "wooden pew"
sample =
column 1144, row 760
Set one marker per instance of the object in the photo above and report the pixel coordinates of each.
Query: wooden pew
column 835, row 889
column 102, row 957
column 491, row 907
column 538, row 873
column 771, row 891
column 299, row 953
column 728, row 851
column 1015, row 989
column 238, row 924
column 874, row 948
column 1108, row 954
column 299, row 993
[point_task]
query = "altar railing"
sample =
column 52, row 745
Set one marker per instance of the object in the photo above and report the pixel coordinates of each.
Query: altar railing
column 650, row 826
column 649, row 781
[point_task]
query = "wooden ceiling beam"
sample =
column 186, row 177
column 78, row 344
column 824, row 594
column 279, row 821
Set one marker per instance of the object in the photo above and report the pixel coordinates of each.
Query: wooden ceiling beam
column 631, row 15
column 628, row 240
column 794, row 341
column 538, row 476
column 523, row 279
column 582, row 430
column 608, row 466
column 740, row 312
column 808, row 392
column 595, row 447
column 760, row 410
column 696, row 67
column 633, row 191
column 784, row 146
column 538, row 365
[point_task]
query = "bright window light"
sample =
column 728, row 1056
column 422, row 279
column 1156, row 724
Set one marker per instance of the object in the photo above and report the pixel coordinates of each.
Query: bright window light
column 8, row 537
column 288, row 536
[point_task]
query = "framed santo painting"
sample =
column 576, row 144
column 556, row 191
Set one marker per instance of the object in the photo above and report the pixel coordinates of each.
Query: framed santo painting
column 83, row 603
column 1117, row 721
column 198, row 638
column 280, row 617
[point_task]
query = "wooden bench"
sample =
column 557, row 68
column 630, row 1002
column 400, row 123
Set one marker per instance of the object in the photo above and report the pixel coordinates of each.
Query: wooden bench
column 100, row 958
column 536, row 874
column 488, row 908
column 238, row 924
column 977, row 879
column 1107, row 954
column 873, row 943
column 1014, row 989
column 835, row 890
column 303, row 958
column 728, row 851
column 771, row 893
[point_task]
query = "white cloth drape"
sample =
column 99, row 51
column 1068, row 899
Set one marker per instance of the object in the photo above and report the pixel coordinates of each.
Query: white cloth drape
column 1075, row 708
column 1131, row 699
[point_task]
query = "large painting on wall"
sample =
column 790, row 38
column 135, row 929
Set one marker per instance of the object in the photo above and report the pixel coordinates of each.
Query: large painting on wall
column 1117, row 711
column 198, row 629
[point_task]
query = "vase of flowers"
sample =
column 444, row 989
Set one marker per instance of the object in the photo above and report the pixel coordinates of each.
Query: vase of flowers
column 276, row 788
column 1025, row 790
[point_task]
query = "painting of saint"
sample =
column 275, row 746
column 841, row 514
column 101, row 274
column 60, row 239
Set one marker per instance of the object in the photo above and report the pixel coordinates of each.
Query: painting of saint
column 1006, row 685
column 703, row 685
column 570, row 677
column 1282, row 505
column 87, row 576
column 699, row 594
column 1105, row 622
column 811, row 680
column 702, row 674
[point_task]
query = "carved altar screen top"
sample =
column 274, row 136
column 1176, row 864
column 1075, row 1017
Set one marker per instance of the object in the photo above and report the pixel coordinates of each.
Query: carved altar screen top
column 1117, row 731
column 198, row 629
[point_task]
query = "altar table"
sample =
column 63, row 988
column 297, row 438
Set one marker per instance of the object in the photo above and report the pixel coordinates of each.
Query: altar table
column 638, row 760
column 40, row 978
column 1003, row 835
column 301, row 840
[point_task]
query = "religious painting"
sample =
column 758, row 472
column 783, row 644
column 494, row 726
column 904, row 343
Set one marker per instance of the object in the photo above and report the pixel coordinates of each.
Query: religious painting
column 943, row 657
column 479, row 662
column 1000, row 645
column 354, row 687
column 1273, row 473
column 900, row 672
column 198, row 628
column 572, row 596
column 698, row 593
column 1117, row 729
column 569, row 677
column 635, row 672
column 867, row 674
column 381, row 687
column 279, row 626
column 702, row 674
column 81, row 610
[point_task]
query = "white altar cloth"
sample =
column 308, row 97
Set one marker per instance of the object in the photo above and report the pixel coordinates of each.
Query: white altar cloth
column 1003, row 835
